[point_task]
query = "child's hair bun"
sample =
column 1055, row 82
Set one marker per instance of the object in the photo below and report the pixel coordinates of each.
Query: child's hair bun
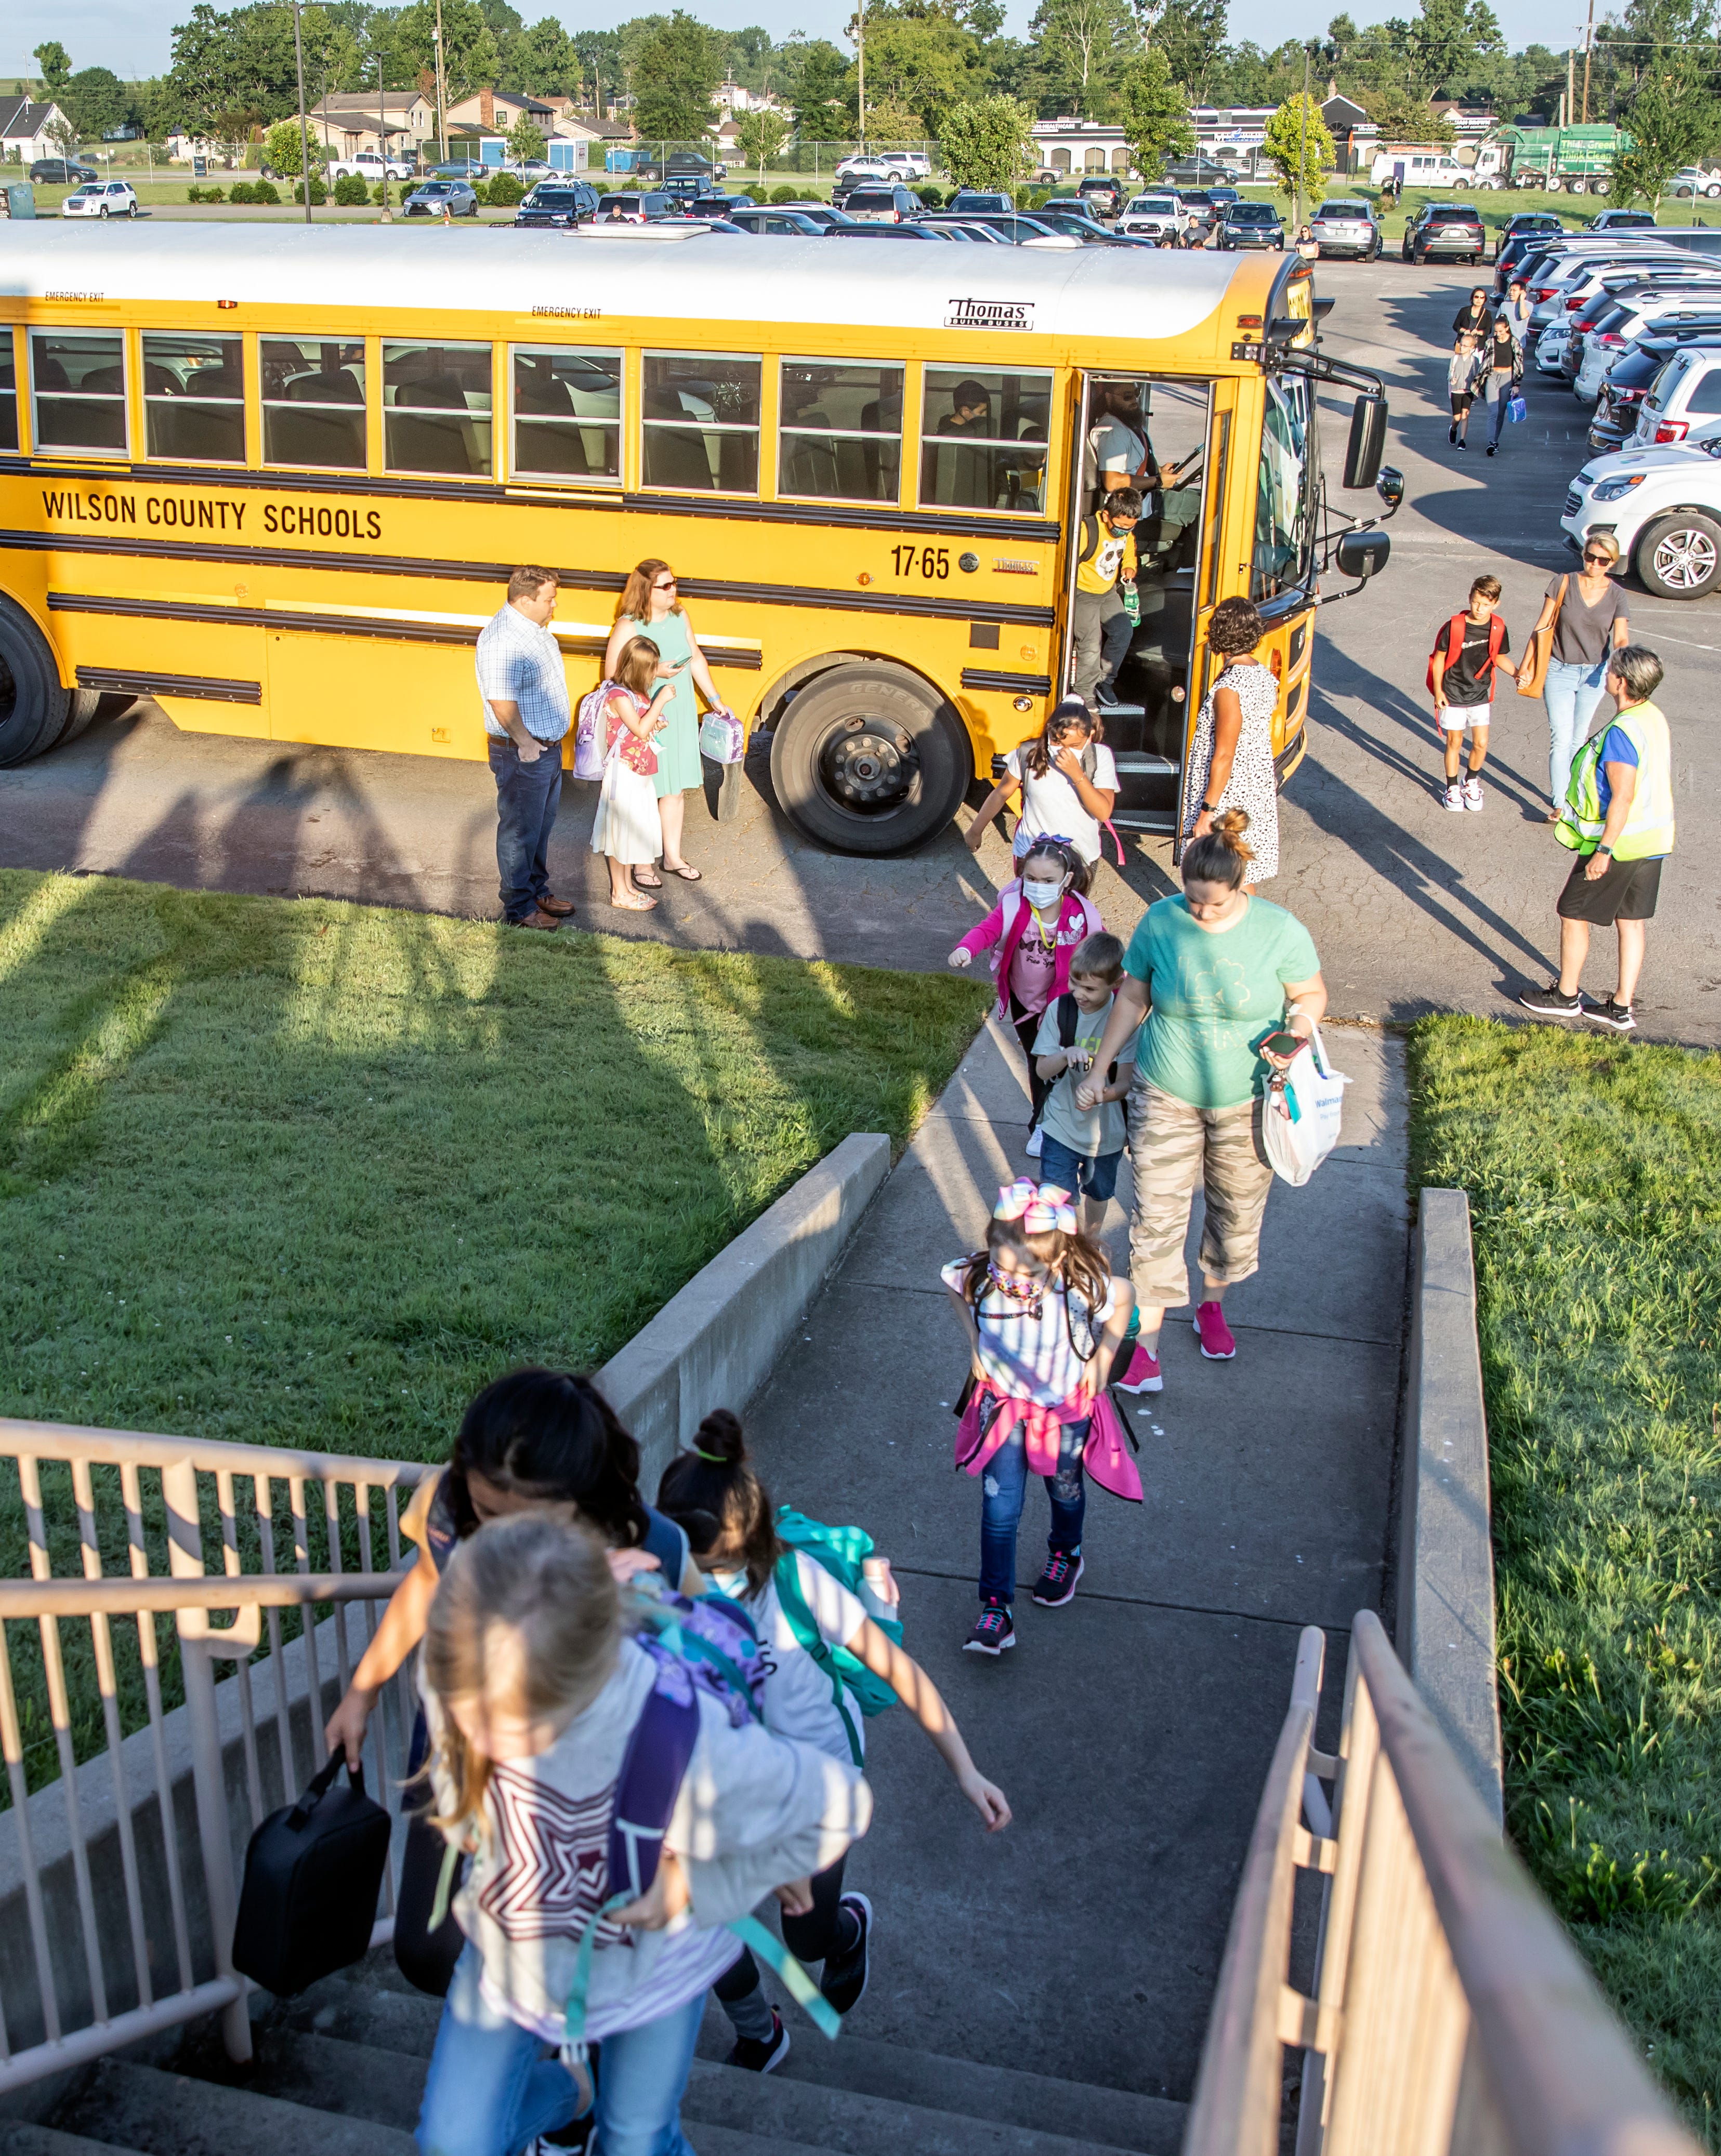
column 719, row 1437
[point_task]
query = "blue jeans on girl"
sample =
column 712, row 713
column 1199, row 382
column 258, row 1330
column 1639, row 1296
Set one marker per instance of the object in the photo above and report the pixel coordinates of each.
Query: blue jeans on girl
column 1572, row 693
column 493, row 2086
column 1004, row 1480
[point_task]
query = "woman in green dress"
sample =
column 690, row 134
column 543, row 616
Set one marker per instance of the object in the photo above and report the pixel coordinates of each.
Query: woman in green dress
column 649, row 606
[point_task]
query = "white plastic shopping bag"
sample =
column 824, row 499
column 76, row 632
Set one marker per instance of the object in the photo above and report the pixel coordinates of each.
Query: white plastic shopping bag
column 1300, row 1127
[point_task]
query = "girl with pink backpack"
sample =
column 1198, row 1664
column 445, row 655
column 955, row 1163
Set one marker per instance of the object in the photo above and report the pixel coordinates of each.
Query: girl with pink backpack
column 1041, row 915
column 628, row 827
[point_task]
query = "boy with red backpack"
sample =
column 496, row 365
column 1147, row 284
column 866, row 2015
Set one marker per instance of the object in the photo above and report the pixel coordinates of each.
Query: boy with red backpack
column 1469, row 650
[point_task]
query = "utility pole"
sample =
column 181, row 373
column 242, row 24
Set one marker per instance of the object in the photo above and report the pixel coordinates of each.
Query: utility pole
column 1589, row 40
column 382, row 139
column 1302, row 152
column 861, row 60
column 441, row 87
column 1571, row 101
column 304, row 124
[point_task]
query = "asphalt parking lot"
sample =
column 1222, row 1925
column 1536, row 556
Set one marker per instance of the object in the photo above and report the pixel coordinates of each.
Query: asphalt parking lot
column 1412, row 908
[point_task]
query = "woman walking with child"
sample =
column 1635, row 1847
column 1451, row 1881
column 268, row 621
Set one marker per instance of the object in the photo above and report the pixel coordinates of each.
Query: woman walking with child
column 650, row 606
column 627, row 828
column 1582, row 622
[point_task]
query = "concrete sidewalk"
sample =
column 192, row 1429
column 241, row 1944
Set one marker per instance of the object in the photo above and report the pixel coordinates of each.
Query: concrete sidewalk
column 1132, row 1730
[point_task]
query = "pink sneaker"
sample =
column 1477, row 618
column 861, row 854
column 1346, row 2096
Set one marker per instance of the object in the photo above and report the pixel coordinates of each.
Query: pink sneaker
column 1217, row 1344
column 1143, row 1375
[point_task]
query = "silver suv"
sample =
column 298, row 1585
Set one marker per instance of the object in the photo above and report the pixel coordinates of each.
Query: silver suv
column 1346, row 228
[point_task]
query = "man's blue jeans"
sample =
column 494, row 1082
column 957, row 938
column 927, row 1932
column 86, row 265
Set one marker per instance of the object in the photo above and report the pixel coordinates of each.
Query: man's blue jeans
column 493, row 2086
column 1571, row 694
column 1003, row 1482
column 527, row 798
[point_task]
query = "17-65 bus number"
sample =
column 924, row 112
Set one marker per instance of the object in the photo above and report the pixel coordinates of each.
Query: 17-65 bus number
column 933, row 564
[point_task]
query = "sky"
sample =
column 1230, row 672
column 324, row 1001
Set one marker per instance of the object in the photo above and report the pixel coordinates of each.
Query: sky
column 134, row 36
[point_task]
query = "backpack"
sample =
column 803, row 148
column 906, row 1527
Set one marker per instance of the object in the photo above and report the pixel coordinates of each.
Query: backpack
column 839, row 1550
column 1091, row 545
column 1455, row 646
column 1069, row 1017
column 589, row 729
column 313, row 1871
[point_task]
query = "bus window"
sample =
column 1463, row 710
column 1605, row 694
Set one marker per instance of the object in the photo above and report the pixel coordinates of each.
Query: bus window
column 567, row 412
column 8, row 393
column 701, row 423
column 436, row 403
column 194, row 398
column 313, row 402
column 80, row 380
column 1284, row 504
column 841, row 431
column 983, row 438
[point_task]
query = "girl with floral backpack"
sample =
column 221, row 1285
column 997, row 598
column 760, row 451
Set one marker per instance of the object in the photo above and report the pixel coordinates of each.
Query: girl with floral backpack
column 629, row 829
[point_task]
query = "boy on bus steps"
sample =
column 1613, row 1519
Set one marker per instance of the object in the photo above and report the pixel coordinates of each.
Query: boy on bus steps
column 1469, row 651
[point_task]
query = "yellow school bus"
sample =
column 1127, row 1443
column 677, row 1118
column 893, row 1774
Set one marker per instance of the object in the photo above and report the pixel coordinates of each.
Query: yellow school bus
column 276, row 477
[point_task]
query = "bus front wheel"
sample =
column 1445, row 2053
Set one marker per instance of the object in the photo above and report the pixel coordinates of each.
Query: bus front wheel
column 868, row 759
column 35, row 710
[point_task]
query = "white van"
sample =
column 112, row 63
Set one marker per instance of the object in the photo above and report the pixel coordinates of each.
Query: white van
column 1419, row 168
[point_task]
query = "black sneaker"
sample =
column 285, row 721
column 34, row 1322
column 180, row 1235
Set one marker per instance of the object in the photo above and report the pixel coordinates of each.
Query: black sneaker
column 843, row 1981
column 1617, row 1018
column 1549, row 1003
column 993, row 1632
column 1056, row 1584
column 754, row 2056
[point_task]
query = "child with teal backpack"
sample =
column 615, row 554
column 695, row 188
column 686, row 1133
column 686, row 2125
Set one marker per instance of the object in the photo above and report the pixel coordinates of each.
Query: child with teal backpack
column 829, row 1665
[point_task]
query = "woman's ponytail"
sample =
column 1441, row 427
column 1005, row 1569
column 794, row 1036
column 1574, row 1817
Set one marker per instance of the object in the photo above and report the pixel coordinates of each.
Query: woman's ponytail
column 1221, row 855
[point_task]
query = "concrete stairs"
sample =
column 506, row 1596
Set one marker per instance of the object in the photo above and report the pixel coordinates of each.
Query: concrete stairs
column 353, row 2052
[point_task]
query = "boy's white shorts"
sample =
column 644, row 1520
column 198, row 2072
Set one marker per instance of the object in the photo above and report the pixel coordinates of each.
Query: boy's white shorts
column 1459, row 718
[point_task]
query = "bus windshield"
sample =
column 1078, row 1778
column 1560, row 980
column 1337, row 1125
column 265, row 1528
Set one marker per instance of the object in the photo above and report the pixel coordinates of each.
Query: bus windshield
column 1285, row 500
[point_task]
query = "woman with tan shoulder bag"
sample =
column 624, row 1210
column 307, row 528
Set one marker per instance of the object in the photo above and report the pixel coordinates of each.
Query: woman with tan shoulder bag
column 1583, row 618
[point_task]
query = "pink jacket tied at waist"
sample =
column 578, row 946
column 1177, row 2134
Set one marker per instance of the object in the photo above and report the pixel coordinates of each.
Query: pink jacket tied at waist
column 1105, row 1456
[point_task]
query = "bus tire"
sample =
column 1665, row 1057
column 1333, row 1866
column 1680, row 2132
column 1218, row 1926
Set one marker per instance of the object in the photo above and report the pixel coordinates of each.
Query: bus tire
column 869, row 759
column 35, row 709
column 90, row 705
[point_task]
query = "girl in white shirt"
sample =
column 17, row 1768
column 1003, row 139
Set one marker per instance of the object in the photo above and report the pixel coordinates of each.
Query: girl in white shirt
column 1059, row 794
column 532, row 1686
column 713, row 1493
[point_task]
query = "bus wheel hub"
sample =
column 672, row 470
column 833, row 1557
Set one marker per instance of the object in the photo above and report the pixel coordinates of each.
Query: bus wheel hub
column 866, row 768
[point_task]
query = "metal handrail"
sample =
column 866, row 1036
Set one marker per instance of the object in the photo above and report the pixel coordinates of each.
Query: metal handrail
column 1450, row 2012
column 123, row 1597
column 123, row 1448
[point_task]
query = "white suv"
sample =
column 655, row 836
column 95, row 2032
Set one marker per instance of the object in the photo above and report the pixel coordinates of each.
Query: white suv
column 1662, row 508
column 895, row 165
column 102, row 198
column 369, row 166
column 1684, row 400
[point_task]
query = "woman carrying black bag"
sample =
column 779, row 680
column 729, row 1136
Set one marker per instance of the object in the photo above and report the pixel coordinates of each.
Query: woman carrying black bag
column 535, row 1440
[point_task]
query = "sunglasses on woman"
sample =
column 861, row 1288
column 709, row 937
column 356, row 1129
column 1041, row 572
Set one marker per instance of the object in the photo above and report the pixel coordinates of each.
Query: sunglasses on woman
column 1603, row 560
column 667, row 585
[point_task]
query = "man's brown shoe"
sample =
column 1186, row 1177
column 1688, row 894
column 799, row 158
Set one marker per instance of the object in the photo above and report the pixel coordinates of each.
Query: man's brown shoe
column 538, row 918
column 561, row 908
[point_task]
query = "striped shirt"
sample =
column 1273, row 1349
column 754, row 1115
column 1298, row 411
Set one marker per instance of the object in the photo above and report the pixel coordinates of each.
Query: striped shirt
column 519, row 662
column 1036, row 1356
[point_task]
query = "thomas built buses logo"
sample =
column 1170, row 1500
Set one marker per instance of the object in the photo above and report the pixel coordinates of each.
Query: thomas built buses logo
column 990, row 314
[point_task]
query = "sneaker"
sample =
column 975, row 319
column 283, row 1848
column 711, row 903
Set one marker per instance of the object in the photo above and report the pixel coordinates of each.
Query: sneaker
column 843, row 1981
column 994, row 1630
column 1549, row 1003
column 1453, row 432
column 1105, row 694
column 1617, row 1018
column 754, row 2056
column 1472, row 795
column 1217, row 1344
column 1056, row 1584
column 1036, row 1139
column 565, row 2140
column 1491, row 448
column 1453, row 797
column 1141, row 1374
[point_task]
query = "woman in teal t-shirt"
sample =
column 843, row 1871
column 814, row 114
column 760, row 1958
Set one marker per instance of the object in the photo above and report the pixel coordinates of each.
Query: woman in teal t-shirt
column 650, row 606
column 1218, row 972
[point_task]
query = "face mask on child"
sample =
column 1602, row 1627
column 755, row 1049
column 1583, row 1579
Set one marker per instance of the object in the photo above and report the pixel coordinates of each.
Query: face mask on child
column 1041, row 896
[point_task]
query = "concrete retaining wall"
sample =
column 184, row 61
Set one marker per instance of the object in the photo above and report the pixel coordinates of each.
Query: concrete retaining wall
column 1446, row 1597
column 714, row 1344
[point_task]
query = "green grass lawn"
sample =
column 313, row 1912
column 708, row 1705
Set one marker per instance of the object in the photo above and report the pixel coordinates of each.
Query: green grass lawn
column 1593, row 1170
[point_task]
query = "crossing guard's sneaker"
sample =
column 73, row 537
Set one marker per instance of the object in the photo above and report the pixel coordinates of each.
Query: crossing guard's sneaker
column 1616, row 1016
column 1549, row 1003
column 1056, row 1584
column 994, row 1630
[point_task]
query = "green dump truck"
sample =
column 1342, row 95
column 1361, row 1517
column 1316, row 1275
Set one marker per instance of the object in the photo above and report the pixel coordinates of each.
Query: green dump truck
column 1574, row 160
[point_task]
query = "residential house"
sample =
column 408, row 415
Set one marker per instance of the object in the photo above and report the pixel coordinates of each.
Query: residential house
column 1469, row 122
column 494, row 111
column 29, row 130
column 397, row 120
column 1354, row 135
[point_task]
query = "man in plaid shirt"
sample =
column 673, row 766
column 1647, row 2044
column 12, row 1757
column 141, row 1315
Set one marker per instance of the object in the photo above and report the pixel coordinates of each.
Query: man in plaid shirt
column 524, row 688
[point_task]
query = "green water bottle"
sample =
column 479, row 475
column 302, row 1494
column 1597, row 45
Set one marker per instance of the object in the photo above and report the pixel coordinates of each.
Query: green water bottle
column 1131, row 602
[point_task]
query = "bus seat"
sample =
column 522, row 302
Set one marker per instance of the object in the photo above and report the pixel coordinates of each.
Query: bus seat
column 812, row 468
column 857, row 470
column 50, row 374
column 309, row 437
column 104, row 381
column 675, row 457
column 540, row 447
column 339, row 385
column 430, row 444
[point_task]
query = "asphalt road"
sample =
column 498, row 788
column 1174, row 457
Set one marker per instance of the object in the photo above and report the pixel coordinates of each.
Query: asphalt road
column 1412, row 908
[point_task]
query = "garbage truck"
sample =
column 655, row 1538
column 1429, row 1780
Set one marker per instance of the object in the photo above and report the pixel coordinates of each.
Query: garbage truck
column 1574, row 160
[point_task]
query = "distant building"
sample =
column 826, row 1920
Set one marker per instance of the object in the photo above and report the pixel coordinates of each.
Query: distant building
column 497, row 111
column 393, row 123
column 29, row 130
column 1469, row 122
column 1354, row 135
column 1080, row 145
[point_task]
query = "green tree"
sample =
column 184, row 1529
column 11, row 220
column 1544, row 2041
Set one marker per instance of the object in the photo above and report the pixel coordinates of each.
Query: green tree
column 472, row 59
column 759, row 135
column 1156, row 118
column 95, row 99
column 988, row 143
column 526, row 140
column 680, row 69
column 597, row 54
column 1402, row 116
column 542, row 61
column 819, row 91
column 1298, row 147
column 55, row 63
column 243, row 62
column 283, row 147
column 1191, row 33
column 1084, row 46
column 1444, row 43
column 1671, row 120
column 920, row 57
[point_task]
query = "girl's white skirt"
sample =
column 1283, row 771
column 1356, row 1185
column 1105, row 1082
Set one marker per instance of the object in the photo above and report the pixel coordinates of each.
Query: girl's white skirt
column 627, row 827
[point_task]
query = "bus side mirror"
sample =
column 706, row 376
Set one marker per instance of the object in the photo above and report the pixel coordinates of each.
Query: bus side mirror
column 1391, row 487
column 1359, row 554
column 1367, row 441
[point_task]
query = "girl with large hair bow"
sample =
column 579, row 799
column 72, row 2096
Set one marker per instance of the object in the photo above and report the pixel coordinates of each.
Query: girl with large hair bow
column 1044, row 1319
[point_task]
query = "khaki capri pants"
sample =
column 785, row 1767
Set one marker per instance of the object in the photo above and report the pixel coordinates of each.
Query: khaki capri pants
column 1172, row 1147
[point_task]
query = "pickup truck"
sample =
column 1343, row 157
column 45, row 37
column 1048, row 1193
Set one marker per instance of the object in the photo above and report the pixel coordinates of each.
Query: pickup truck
column 369, row 166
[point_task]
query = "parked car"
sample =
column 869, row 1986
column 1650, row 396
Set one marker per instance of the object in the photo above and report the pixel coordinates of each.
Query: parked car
column 777, row 223
column 1692, row 182
column 1160, row 218
column 1250, row 225
column 1621, row 220
column 559, row 202
column 1200, row 211
column 625, row 207
column 689, row 165
column 61, row 172
column 1011, row 229
column 880, row 205
column 1524, row 235
column 1631, row 317
column 1684, row 403
column 1346, row 227
column 435, row 197
column 462, row 168
column 821, row 213
column 1661, row 507
column 1101, row 192
column 856, row 230
column 885, row 165
column 371, row 165
column 719, row 205
column 1074, row 224
column 977, row 202
column 1631, row 378
column 106, row 198
column 1450, row 232
column 1551, row 347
